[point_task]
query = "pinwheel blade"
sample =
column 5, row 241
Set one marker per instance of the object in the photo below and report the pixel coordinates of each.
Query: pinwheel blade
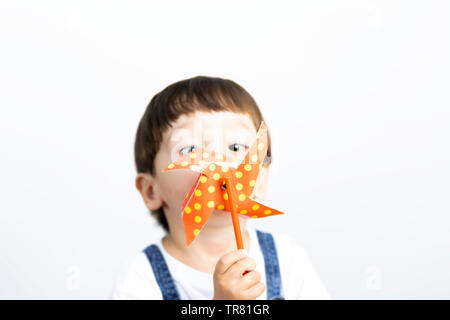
column 248, row 170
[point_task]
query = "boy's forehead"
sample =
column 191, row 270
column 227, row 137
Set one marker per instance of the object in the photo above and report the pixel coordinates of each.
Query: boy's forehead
column 213, row 119
column 204, row 123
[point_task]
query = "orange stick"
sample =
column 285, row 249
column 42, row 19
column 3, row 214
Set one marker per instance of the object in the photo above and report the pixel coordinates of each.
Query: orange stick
column 234, row 215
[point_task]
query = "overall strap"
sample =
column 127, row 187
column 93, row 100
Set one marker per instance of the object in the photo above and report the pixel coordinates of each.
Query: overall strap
column 273, row 277
column 162, row 274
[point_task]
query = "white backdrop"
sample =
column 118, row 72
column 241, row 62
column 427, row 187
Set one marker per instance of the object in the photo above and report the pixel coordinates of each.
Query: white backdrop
column 355, row 93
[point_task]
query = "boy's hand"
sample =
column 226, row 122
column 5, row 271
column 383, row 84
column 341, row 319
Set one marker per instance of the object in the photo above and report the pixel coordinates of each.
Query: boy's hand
column 229, row 281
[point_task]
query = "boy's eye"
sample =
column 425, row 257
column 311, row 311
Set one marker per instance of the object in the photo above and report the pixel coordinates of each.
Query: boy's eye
column 236, row 147
column 187, row 150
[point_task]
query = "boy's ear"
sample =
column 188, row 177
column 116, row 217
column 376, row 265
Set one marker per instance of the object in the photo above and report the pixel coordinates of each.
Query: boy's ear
column 147, row 187
column 259, row 192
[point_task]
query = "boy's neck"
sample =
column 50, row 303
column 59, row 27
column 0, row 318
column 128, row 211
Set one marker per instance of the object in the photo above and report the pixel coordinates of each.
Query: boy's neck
column 206, row 250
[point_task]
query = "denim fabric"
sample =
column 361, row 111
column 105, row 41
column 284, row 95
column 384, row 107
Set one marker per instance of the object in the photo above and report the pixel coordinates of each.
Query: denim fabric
column 267, row 244
column 162, row 274
column 273, row 277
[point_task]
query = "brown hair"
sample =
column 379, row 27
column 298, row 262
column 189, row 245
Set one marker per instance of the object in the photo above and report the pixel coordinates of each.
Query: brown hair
column 199, row 93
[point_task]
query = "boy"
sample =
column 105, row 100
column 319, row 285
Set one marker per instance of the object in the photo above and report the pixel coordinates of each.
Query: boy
column 218, row 115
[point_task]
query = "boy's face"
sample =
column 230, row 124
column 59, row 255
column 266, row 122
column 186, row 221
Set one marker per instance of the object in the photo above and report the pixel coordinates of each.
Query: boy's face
column 228, row 133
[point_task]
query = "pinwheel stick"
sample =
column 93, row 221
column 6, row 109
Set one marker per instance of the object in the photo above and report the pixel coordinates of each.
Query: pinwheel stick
column 234, row 215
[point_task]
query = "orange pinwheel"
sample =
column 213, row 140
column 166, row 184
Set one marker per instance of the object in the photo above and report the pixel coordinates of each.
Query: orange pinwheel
column 223, row 185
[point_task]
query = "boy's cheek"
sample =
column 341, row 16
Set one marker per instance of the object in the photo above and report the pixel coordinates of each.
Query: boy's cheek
column 174, row 184
column 178, row 184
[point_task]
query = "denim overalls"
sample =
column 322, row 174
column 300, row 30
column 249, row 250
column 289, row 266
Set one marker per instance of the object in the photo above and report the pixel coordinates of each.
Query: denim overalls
column 267, row 244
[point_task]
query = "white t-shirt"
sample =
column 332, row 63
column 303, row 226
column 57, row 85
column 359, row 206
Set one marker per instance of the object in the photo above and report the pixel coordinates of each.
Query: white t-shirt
column 299, row 280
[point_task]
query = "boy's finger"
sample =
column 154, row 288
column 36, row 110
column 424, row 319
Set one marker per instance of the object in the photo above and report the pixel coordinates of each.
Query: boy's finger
column 238, row 268
column 250, row 279
column 227, row 260
column 255, row 291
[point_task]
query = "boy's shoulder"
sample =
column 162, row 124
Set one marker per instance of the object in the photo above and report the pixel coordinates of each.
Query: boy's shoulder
column 290, row 253
column 300, row 279
column 286, row 242
column 136, row 280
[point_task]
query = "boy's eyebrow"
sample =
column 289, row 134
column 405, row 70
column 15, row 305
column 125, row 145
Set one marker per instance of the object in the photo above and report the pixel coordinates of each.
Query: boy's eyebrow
column 173, row 128
column 245, row 124
column 180, row 125
column 186, row 123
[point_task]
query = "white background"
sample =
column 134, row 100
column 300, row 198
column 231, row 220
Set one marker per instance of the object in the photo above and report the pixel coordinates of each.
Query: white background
column 355, row 93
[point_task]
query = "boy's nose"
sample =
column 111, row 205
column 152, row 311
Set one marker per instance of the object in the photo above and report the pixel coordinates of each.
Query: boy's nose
column 217, row 146
column 212, row 146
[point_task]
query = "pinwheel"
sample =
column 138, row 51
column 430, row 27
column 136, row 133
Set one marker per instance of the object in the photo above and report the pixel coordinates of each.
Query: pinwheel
column 223, row 184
